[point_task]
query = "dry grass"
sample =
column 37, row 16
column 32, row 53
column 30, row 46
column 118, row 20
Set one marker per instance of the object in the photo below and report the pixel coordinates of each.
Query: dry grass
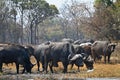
column 101, row 70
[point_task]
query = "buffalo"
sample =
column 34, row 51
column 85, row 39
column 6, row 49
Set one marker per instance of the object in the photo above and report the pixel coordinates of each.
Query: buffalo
column 53, row 53
column 104, row 48
column 59, row 53
column 42, row 54
column 83, row 54
column 76, row 60
column 18, row 55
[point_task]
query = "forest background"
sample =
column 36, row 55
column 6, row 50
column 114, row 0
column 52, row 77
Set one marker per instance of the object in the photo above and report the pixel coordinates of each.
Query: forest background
column 37, row 21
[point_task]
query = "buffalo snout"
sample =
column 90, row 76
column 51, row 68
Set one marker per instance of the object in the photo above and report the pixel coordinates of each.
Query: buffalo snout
column 79, row 62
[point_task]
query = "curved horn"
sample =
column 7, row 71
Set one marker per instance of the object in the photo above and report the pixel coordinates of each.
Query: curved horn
column 75, row 57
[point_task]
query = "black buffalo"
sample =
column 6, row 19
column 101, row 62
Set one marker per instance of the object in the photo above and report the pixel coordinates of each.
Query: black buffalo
column 59, row 53
column 15, row 53
column 53, row 53
column 42, row 54
column 104, row 48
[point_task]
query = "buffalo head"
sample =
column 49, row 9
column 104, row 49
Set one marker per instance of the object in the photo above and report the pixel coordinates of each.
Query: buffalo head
column 76, row 59
column 111, row 47
column 79, row 59
column 89, row 62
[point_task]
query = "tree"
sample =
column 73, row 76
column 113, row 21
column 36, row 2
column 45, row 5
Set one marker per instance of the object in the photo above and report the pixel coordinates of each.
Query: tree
column 30, row 12
column 2, row 15
column 75, row 16
column 38, row 11
column 33, row 12
column 105, row 21
column 9, row 29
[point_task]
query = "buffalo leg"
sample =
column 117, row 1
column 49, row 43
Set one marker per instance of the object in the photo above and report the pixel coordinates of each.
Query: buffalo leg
column 105, row 59
column 17, row 68
column 65, row 67
column 46, row 60
column 43, row 63
column 109, row 58
column 50, row 66
column 78, row 69
column 23, row 70
column 1, row 67
column 43, row 66
column 38, row 64
column 46, row 66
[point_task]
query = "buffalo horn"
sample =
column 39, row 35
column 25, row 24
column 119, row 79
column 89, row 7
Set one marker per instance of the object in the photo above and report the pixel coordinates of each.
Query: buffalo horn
column 75, row 57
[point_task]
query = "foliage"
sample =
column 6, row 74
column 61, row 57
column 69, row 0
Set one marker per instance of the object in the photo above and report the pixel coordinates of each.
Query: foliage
column 21, row 15
column 107, row 3
column 9, row 31
column 106, row 19
column 38, row 11
column 74, row 17
column 23, row 18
